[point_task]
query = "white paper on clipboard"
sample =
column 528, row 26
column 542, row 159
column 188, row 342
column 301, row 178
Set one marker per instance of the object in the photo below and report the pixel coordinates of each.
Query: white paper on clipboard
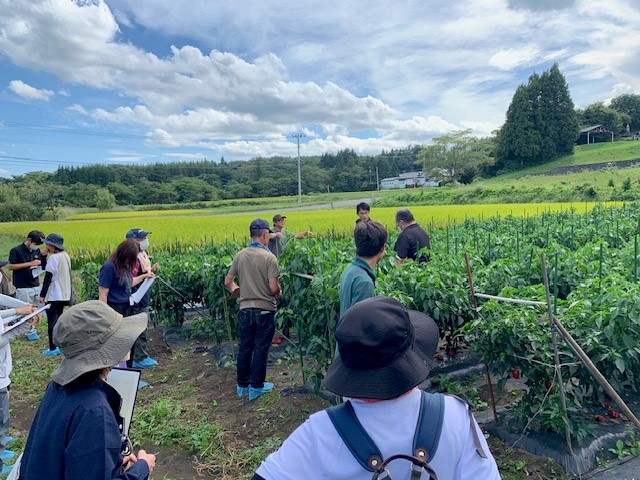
column 125, row 382
column 7, row 301
column 24, row 318
column 144, row 288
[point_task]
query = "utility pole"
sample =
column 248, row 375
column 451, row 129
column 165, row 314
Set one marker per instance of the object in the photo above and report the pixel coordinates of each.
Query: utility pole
column 298, row 136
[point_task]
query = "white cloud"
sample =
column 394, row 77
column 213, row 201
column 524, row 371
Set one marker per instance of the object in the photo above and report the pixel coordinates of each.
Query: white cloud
column 30, row 93
column 78, row 109
column 401, row 73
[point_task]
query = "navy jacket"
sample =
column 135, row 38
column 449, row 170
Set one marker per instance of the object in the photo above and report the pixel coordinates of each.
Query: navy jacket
column 75, row 435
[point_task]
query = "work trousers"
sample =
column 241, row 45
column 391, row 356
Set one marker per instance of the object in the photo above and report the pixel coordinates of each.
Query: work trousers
column 255, row 332
column 53, row 313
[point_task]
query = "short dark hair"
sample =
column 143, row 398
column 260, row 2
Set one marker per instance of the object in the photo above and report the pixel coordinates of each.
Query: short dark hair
column 363, row 206
column 405, row 215
column 258, row 233
column 369, row 237
column 36, row 236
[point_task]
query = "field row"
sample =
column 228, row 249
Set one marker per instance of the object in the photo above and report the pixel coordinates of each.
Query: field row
column 95, row 236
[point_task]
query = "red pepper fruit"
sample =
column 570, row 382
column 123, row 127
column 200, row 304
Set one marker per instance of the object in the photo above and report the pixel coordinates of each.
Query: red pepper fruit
column 439, row 356
column 548, row 383
column 451, row 352
column 600, row 418
column 515, row 373
column 613, row 414
column 606, row 404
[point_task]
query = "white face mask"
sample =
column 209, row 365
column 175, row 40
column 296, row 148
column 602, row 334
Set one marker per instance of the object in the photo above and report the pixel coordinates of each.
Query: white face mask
column 144, row 244
column 34, row 247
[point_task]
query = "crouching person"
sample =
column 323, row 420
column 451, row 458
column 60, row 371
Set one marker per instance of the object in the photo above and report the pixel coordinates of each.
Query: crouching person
column 389, row 424
column 76, row 433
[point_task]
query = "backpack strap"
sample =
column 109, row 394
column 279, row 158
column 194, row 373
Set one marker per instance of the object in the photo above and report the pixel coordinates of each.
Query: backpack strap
column 429, row 426
column 355, row 436
column 367, row 453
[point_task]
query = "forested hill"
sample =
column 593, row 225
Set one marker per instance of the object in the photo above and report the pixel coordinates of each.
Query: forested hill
column 41, row 195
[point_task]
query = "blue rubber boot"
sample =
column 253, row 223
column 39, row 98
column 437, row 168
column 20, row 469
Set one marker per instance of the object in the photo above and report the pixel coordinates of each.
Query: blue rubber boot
column 257, row 392
column 142, row 384
column 52, row 353
column 33, row 336
column 242, row 391
column 7, row 455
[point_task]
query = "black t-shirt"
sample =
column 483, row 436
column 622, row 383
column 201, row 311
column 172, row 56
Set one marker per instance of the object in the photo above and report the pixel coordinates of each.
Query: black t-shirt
column 412, row 239
column 23, row 278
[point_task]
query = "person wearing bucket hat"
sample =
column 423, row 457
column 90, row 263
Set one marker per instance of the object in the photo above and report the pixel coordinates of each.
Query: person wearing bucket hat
column 260, row 290
column 56, row 288
column 386, row 351
column 76, row 432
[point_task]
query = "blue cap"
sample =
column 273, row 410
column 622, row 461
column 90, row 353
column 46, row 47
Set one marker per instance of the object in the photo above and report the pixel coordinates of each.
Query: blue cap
column 137, row 233
column 259, row 224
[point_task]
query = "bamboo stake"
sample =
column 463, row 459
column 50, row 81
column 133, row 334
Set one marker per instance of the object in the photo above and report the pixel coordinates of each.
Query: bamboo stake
column 556, row 356
column 596, row 373
column 474, row 304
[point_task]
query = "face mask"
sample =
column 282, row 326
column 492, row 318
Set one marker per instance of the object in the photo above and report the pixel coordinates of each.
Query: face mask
column 34, row 247
column 144, row 244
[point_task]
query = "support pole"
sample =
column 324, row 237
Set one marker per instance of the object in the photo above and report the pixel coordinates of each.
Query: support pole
column 474, row 304
column 596, row 373
column 556, row 356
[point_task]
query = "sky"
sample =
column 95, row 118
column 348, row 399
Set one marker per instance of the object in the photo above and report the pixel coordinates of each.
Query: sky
column 135, row 82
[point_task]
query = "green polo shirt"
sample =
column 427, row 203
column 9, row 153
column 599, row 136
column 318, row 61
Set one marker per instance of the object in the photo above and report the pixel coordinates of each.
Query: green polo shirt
column 357, row 282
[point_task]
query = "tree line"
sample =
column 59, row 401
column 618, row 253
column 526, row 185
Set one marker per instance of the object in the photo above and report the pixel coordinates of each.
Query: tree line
column 40, row 195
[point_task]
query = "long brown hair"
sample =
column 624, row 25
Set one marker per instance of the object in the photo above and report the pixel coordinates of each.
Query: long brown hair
column 124, row 258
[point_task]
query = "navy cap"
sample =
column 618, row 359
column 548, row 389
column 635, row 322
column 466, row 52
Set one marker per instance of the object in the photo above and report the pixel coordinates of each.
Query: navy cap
column 137, row 233
column 259, row 224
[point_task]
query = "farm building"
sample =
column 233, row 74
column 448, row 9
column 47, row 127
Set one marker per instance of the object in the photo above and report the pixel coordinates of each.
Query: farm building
column 595, row 133
column 407, row 180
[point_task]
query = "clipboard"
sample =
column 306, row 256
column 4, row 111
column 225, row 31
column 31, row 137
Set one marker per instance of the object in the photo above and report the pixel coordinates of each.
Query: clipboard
column 23, row 319
column 125, row 381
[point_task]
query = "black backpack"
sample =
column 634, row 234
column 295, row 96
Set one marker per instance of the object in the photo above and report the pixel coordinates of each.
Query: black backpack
column 367, row 453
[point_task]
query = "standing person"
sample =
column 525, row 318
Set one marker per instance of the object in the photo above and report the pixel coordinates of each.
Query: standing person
column 411, row 240
column 259, row 292
column 115, row 280
column 363, row 210
column 140, row 357
column 76, row 433
column 357, row 281
column 385, row 353
column 56, row 288
column 6, row 365
column 278, row 236
column 26, row 261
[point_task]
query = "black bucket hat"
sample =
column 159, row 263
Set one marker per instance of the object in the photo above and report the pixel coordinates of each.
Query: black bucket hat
column 385, row 350
column 55, row 240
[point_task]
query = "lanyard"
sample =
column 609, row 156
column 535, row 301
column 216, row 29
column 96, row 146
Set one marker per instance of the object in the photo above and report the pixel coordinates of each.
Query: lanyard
column 257, row 245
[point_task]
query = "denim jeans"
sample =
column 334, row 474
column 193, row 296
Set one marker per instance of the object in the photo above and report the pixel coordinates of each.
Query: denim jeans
column 4, row 418
column 255, row 332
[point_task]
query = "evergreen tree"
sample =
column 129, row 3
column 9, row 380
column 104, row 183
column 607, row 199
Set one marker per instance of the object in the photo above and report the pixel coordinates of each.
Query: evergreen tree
column 541, row 122
column 519, row 140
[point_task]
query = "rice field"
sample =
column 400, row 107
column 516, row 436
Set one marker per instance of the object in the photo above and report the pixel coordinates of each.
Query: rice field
column 181, row 227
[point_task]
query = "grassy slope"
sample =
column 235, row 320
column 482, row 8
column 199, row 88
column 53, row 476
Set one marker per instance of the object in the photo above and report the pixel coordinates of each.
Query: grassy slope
column 585, row 155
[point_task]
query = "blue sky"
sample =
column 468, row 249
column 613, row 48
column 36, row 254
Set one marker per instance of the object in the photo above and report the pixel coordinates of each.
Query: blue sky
column 134, row 82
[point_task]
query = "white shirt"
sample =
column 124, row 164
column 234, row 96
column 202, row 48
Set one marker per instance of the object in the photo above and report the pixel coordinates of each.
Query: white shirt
column 58, row 264
column 315, row 450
